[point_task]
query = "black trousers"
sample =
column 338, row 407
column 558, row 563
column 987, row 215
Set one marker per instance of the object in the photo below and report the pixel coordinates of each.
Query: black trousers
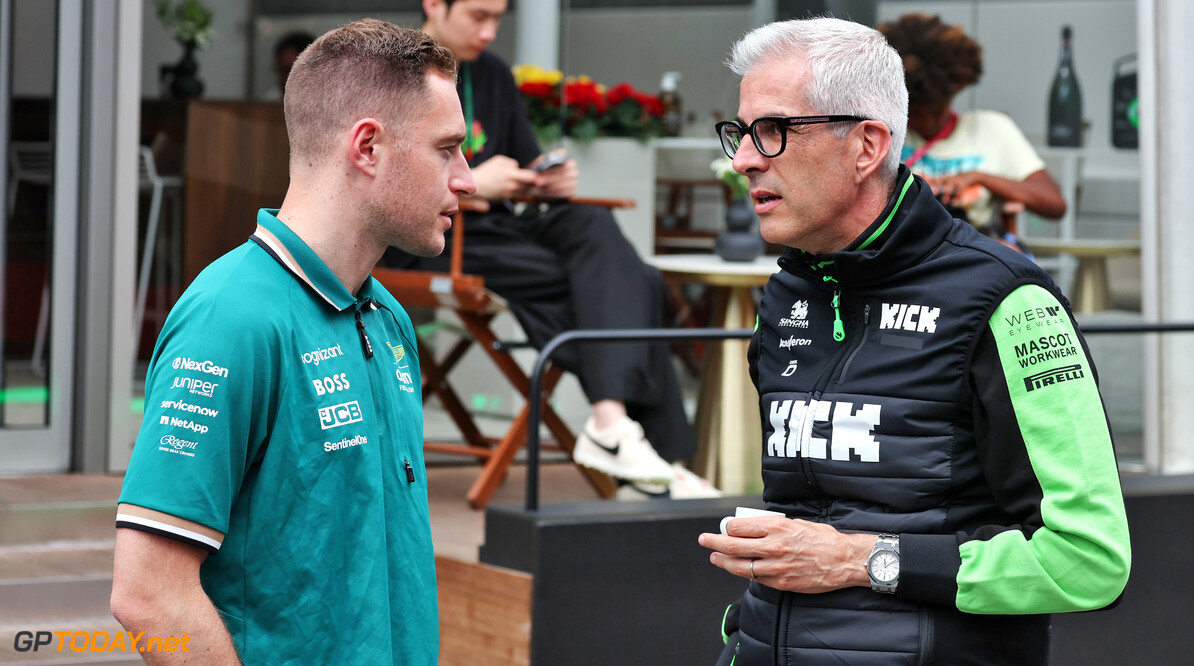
column 569, row 267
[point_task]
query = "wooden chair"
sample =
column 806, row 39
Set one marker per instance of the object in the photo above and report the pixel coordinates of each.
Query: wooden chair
column 466, row 296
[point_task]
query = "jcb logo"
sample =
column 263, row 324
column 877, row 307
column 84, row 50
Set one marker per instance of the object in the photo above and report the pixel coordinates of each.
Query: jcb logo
column 792, row 430
column 338, row 415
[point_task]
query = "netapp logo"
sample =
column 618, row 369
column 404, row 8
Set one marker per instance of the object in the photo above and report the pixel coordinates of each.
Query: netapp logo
column 314, row 357
column 914, row 318
column 183, row 363
column 792, row 429
column 183, row 423
column 331, row 384
column 338, row 415
column 1051, row 377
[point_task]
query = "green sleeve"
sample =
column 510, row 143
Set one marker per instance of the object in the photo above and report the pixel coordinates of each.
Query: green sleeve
column 1047, row 453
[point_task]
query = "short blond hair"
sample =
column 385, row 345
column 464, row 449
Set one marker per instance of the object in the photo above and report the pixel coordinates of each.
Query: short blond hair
column 368, row 68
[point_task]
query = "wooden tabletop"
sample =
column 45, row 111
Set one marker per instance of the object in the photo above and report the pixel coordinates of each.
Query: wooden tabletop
column 1085, row 247
column 712, row 269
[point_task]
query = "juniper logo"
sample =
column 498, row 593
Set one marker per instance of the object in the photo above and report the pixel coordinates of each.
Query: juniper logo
column 798, row 317
column 184, row 363
column 314, row 357
column 196, row 386
column 912, row 318
column 1051, row 377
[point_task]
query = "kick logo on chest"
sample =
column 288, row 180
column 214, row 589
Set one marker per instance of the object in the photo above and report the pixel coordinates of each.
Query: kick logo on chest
column 851, row 435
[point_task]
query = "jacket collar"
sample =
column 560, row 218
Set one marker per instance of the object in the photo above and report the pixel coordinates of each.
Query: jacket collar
column 911, row 225
column 297, row 257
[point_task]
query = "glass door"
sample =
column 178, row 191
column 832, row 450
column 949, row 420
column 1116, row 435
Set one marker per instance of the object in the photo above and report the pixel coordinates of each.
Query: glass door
column 39, row 132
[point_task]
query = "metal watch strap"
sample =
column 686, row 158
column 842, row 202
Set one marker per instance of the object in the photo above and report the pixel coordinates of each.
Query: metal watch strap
column 889, row 542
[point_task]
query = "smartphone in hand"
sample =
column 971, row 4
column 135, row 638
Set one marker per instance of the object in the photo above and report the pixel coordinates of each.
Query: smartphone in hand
column 551, row 161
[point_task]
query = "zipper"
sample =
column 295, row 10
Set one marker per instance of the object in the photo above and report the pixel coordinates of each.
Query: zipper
column 410, row 471
column 365, row 344
column 866, row 320
column 839, row 329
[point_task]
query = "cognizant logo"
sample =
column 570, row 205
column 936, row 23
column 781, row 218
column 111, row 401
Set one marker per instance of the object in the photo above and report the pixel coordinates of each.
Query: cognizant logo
column 98, row 641
column 314, row 357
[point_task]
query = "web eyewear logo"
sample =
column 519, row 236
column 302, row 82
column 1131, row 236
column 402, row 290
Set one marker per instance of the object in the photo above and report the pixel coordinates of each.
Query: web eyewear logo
column 184, row 363
column 338, row 415
column 798, row 317
column 913, row 318
column 99, row 641
column 1051, row 377
column 314, row 357
column 1034, row 318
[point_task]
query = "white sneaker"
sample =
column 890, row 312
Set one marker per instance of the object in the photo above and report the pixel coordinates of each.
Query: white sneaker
column 687, row 485
column 642, row 490
column 621, row 451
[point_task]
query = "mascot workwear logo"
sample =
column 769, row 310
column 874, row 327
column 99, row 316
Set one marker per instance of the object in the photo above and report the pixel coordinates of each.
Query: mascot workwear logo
column 798, row 317
column 1051, row 377
column 331, row 384
column 913, row 318
column 314, row 357
column 338, row 415
column 184, row 363
column 1045, row 348
column 792, row 430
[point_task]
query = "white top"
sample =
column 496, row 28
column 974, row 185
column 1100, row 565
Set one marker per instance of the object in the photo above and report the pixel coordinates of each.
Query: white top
column 986, row 141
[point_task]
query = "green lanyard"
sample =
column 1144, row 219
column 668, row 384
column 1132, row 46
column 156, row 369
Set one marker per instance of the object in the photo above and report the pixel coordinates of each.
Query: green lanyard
column 470, row 146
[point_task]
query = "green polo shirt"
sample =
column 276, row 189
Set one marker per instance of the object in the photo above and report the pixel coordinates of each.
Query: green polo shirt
column 283, row 433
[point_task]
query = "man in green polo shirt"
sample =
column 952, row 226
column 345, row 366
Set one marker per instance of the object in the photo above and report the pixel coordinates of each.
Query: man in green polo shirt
column 275, row 507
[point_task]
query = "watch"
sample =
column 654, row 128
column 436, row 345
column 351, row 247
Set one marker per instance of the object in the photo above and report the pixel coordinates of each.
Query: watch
column 883, row 566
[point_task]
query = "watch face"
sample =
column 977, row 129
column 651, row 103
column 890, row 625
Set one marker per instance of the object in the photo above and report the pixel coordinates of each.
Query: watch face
column 885, row 566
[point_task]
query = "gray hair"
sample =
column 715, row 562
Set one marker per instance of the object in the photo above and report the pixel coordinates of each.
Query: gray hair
column 853, row 72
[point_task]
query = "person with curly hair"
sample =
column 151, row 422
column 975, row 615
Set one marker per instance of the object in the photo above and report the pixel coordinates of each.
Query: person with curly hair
column 975, row 161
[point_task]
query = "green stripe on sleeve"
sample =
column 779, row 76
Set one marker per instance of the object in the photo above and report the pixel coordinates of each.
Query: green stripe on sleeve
column 1080, row 559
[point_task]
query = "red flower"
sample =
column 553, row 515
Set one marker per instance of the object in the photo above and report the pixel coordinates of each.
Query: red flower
column 583, row 96
column 651, row 104
column 619, row 93
column 542, row 91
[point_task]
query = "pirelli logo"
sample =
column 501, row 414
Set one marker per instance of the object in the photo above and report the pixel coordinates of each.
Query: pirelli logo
column 1051, row 377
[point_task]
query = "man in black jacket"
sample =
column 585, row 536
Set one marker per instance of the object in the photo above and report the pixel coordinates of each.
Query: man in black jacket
column 563, row 268
column 933, row 430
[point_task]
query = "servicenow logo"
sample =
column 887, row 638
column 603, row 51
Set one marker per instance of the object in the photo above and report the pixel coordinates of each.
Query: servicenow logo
column 184, row 363
column 314, row 357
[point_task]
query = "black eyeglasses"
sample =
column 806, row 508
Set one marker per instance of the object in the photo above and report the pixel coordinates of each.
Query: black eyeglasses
column 770, row 133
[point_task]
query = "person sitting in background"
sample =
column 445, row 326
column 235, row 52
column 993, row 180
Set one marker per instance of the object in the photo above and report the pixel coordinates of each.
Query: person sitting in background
column 562, row 267
column 286, row 51
column 977, row 160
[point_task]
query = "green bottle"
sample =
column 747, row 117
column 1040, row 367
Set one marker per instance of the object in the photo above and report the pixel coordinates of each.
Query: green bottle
column 1065, row 99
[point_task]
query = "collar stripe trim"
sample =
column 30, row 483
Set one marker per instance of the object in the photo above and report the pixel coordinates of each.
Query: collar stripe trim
column 883, row 227
column 164, row 529
column 277, row 250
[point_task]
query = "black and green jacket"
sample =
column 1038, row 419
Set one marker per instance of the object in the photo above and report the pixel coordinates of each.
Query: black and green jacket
column 932, row 383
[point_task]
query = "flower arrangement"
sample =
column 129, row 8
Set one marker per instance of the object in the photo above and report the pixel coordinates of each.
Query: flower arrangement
column 723, row 167
column 590, row 109
column 189, row 19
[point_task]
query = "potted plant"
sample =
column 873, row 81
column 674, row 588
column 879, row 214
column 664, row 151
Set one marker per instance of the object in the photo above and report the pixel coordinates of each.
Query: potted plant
column 190, row 21
column 740, row 241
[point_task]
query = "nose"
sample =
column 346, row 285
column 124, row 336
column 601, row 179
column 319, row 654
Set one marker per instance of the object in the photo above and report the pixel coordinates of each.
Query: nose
column 489, row 31
column 461, row 181
column 748, row 158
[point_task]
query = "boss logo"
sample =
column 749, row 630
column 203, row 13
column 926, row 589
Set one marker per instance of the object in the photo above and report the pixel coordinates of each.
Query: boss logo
column 338, row 415
column 331, row 384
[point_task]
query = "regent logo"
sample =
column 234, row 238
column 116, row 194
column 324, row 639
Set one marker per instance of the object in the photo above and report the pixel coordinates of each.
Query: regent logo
column 1045, row 348
column 1051, row 377
column 398, row 351
column 346, row 443
column 792, row 430
column 338, row 415
column 196, row 386
column 172, row 444
column 798, row 317
column 180, row 406
column 1034, row 318
column 314, row 357
column 183, row 423
column 183, row 363
column 794, row 342
column 331, row 384
column 912, row 318
column 791, row 369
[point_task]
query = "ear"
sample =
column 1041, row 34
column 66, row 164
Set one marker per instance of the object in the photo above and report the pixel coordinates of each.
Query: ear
column 365, row 145
column 432, row 8
column 874, row 144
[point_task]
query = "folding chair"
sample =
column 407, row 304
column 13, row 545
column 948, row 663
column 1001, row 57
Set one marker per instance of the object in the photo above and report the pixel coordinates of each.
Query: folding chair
column 476, row 306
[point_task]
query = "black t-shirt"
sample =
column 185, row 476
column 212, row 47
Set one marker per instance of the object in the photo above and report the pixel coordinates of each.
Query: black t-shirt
column 499, row 115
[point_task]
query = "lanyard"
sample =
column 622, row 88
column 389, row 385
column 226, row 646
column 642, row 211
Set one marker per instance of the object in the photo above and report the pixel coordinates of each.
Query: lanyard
column 470, row 142
column 924, row 147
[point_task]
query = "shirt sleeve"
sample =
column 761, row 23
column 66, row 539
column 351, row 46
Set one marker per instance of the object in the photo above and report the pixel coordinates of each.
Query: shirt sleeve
column 207, row 398
column 1047, row 455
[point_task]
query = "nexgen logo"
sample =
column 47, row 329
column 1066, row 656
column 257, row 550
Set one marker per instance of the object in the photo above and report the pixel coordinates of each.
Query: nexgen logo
column 792, row 430
column 338, row 415
column 915, row 318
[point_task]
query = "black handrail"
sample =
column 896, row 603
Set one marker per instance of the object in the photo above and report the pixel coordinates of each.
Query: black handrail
column 618, row 336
